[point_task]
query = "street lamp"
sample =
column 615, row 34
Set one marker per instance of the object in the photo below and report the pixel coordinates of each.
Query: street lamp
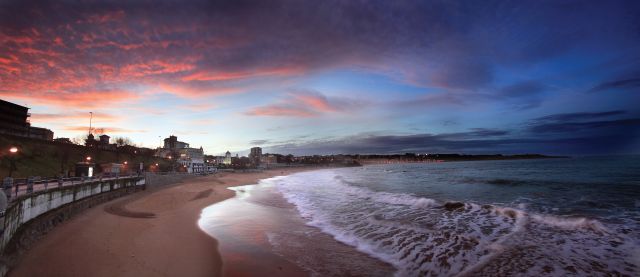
column 88, row 158
column 12, row 159
column 125, row 162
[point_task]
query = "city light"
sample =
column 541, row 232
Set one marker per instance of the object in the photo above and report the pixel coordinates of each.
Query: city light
column 125, row 162
column 13, row 149
column 88, row 159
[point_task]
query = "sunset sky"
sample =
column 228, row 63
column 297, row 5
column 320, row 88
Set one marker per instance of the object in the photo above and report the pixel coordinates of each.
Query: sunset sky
column 315, row 77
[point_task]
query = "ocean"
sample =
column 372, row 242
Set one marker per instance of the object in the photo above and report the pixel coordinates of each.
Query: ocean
column 546, row 217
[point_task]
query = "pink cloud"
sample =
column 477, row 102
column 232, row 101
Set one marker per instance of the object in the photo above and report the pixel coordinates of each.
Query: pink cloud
column 154, row 68
column 305, row 104
column 276, row 110
column 74, row 116
column 83, row 99
column 226, row 76
column 103, row 130
column 316, row 101
column 199, row 107
column 197, row 90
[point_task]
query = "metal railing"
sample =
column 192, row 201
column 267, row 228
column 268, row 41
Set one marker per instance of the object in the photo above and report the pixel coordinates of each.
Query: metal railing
column 23, row 186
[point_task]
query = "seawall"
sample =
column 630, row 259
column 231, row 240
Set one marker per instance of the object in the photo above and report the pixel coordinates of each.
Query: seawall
column 30, row 216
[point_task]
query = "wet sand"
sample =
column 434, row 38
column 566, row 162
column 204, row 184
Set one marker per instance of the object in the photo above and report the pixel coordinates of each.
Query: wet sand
column 152, row 233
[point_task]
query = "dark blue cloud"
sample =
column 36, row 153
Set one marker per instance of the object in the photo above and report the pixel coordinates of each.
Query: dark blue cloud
column 522, row 89
column 430, row 143
column 617, row 85
column 567, row 117
column 620, row 125
column 569, row 133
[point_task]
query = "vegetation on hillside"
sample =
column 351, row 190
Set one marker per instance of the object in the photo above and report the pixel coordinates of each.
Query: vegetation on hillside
column 48, row 159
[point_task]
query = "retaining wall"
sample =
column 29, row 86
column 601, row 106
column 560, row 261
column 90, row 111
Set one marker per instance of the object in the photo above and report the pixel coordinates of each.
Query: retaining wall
column 30, row 216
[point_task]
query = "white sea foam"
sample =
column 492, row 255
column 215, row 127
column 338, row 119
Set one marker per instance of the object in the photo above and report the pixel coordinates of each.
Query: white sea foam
column 570, row 223
column 420, row 236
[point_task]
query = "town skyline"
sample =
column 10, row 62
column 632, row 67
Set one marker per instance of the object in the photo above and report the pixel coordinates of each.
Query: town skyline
column 333, row 77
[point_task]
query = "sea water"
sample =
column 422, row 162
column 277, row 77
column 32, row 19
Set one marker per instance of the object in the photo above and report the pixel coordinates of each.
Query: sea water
column 548, row 217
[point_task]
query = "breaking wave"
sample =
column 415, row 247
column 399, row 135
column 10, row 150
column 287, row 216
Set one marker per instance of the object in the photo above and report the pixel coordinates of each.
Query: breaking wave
column 423, row 236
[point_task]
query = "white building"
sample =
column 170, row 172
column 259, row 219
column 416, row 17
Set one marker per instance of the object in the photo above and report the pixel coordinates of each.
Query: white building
column 227, row 158
column 192, row 159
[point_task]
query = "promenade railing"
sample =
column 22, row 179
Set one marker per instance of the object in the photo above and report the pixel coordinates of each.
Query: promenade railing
column 21, row 186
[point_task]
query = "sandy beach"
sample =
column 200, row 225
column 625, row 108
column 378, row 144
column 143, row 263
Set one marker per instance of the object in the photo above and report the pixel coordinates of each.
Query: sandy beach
column 152, row 233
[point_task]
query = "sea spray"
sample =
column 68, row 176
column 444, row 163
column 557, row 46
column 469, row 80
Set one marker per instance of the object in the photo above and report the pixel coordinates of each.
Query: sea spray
column 421, row 235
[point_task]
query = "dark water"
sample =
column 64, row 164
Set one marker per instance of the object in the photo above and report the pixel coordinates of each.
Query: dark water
column 552, row 217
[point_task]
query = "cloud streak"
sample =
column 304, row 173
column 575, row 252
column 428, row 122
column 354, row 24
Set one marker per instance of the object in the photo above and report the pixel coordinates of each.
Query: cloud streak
column 103, row 130
column 76, row 48
column 392, row 63
column 306, row 104
column 74, row 116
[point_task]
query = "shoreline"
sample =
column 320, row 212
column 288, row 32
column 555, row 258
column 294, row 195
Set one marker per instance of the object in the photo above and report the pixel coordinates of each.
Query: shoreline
column 152, row 233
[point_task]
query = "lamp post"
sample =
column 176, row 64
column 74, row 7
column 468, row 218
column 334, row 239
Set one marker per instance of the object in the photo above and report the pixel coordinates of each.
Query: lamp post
column 90, row 119
column 13, row 151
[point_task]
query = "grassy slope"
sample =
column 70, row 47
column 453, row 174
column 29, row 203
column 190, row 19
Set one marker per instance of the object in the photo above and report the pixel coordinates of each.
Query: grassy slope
column 42, row 158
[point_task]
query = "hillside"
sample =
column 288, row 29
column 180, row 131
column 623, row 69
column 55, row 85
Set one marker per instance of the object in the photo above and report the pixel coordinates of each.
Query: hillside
column 47, row 158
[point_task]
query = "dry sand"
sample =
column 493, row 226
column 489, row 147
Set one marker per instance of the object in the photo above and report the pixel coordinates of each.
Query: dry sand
column 152, row 233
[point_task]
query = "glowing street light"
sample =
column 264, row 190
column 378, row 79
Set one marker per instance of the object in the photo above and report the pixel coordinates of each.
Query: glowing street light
column 12, row 165
column 125, row 162
column 88, row 158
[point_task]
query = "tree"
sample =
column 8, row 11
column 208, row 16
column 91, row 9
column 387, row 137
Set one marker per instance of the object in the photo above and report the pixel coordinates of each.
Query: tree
column 122, row 141
column 78, row 140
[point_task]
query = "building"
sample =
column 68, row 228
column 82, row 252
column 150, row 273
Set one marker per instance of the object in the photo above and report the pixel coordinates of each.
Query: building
column 192, row 159
column 112, row 169
column 255, row 155
column 63, row 140
column 101, row 143
column 104, row 139
column 227, row 158
column 188, row 159
column 172, row 143
column 14, row 120
column 40, row 133
column 269, row 160
column 218, row 160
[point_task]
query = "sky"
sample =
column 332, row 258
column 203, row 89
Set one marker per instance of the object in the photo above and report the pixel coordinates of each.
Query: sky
column 329, row 77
